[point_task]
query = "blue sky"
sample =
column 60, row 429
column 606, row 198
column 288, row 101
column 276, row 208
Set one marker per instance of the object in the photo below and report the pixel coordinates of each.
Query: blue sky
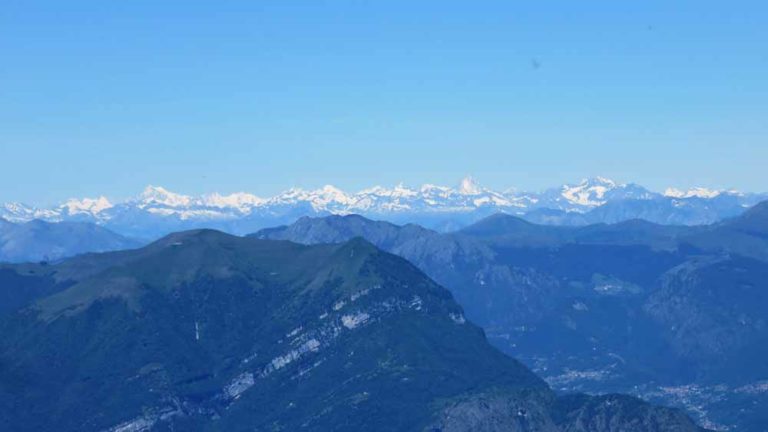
column 106, row 97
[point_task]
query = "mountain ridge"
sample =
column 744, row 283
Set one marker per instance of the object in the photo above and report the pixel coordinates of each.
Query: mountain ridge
column 632, row 307
column 158, row 211
column 242, row 334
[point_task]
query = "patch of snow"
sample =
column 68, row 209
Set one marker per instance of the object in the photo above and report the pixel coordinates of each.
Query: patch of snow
column 241, row 201
column 92, row 206
column 469, row 186
column 697, row 192
column 589, row 193
column 160, row 195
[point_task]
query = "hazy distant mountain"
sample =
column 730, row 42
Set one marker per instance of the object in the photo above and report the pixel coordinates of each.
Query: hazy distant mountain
column 674, row 313
column 158, row 211
column 43, row 241
column 206, row 331
column 745, row 235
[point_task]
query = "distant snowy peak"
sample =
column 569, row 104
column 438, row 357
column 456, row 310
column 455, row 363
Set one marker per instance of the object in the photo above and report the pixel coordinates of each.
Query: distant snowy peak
column 240, row 200
column 697, row 192
column 469, row 186
column 17, row 212
column 86, row 205
column 156, row 195
column 469, row 195
column 589, row 192
column 330, row 195
column 378, row 201
column 159, row 197
column 320, row 199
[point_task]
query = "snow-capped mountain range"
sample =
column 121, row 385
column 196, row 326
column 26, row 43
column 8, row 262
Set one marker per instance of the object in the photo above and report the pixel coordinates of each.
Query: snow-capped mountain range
column 156, row 210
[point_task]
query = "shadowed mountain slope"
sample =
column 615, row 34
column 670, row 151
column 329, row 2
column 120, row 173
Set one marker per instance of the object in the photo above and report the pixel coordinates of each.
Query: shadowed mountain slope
column 206, row 331
column 671, row 313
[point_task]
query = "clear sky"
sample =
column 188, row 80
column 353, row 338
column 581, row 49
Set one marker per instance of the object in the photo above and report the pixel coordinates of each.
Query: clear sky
column 104, row 97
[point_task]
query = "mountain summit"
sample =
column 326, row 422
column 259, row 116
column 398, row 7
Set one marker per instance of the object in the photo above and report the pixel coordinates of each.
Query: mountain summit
column 469, row 186
column 206, row 331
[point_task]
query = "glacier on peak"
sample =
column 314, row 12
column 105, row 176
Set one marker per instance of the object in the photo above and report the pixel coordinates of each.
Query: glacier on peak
column 159, row 195
column 16, row 209
column 319, row 199
column 469, row 186
column 590, row 192
column 600, row 181
column 697, row 192
column 17, row 212
column 75, row 206
column 241, row 201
